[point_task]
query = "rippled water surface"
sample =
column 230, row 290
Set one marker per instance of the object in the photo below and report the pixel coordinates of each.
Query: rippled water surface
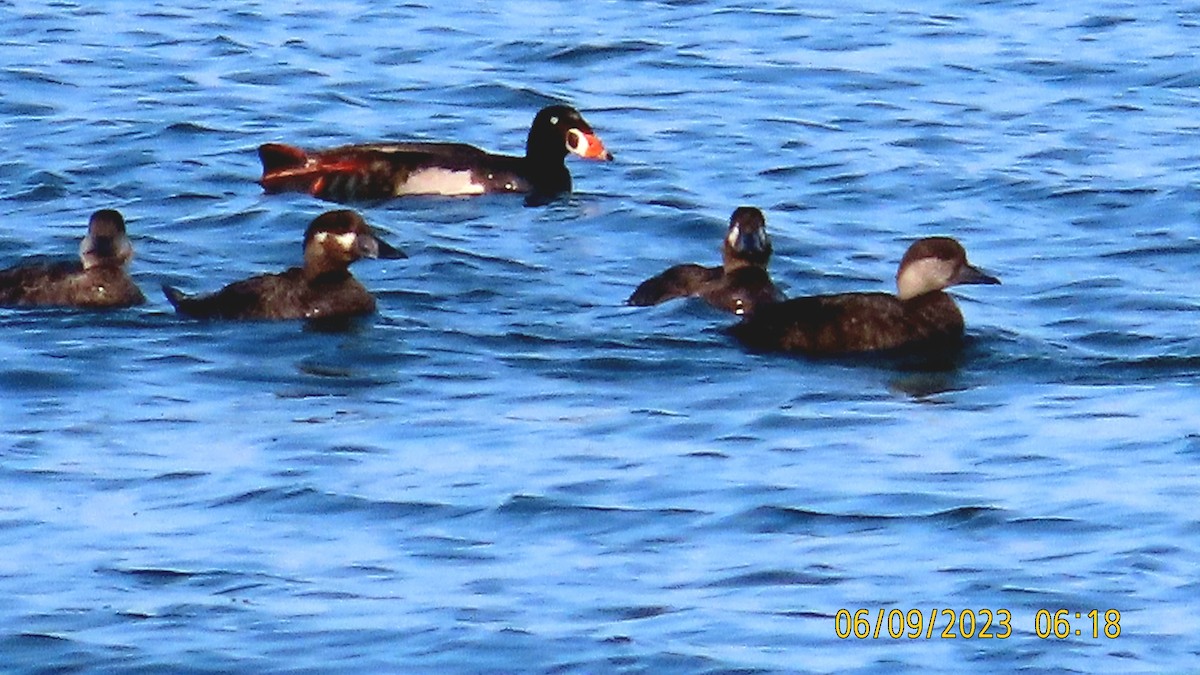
column 506, row 470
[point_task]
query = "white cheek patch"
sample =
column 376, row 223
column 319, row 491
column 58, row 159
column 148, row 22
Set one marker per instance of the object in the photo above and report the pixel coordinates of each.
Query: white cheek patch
column 922, row 276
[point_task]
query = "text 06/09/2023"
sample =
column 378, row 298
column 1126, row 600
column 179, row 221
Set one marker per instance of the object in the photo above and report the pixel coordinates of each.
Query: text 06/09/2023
column 969, row 624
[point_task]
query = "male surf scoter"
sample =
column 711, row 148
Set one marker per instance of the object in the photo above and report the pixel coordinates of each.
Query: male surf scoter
column 323, row 288
column 98, row 280
column 383, row 170
column 738, row 285
column 920, row 315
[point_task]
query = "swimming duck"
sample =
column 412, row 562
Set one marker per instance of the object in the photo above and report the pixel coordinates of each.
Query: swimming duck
column 98, row 280
column 740, row 283
column 921, row 314
column 383, row 170
column 323, row 288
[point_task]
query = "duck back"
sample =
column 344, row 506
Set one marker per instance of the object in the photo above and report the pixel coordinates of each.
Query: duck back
column 287, row 295
column 851, row 322
column 67, row 284
column 385, row 170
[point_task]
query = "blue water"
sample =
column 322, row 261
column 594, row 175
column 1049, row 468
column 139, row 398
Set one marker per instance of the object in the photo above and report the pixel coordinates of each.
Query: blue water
column 508, row 471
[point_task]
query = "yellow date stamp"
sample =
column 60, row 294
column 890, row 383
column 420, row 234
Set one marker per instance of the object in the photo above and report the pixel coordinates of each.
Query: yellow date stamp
column 971, row 624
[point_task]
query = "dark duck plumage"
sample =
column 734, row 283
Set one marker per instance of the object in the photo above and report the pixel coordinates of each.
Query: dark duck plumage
column 738, row 285
column 97, row 281
column 920, row 315
column 384, row 170
column 323, row 288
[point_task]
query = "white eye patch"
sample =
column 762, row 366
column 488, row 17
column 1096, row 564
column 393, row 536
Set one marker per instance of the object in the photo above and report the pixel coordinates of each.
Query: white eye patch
column 554, row 120
column 576, row 142
column 732, row 238
column 344, row 241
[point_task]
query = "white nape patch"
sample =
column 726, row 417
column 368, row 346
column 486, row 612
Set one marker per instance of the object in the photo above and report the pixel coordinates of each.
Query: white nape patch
column 440, row 182
column 923, row 276
column 577, row 142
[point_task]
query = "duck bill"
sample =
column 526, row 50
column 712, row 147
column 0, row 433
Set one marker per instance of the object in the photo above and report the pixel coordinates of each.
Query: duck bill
column 752, row 244
column 370, row 246
column 387, row 251
column 589, row 146
column 970, row 274
column 96, row 251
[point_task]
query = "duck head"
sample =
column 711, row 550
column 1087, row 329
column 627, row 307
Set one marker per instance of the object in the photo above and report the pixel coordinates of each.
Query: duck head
column 933, row 264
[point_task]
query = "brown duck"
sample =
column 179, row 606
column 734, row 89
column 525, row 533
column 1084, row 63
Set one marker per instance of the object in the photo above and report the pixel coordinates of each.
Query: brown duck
column 322, row 288
column 738, row 285
column 921, row 314
column 98, row 280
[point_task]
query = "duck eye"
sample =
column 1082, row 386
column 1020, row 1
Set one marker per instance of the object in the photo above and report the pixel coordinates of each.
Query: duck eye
column 554, row 120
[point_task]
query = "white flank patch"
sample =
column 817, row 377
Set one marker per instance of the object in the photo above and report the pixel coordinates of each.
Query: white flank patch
column 440, row 182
